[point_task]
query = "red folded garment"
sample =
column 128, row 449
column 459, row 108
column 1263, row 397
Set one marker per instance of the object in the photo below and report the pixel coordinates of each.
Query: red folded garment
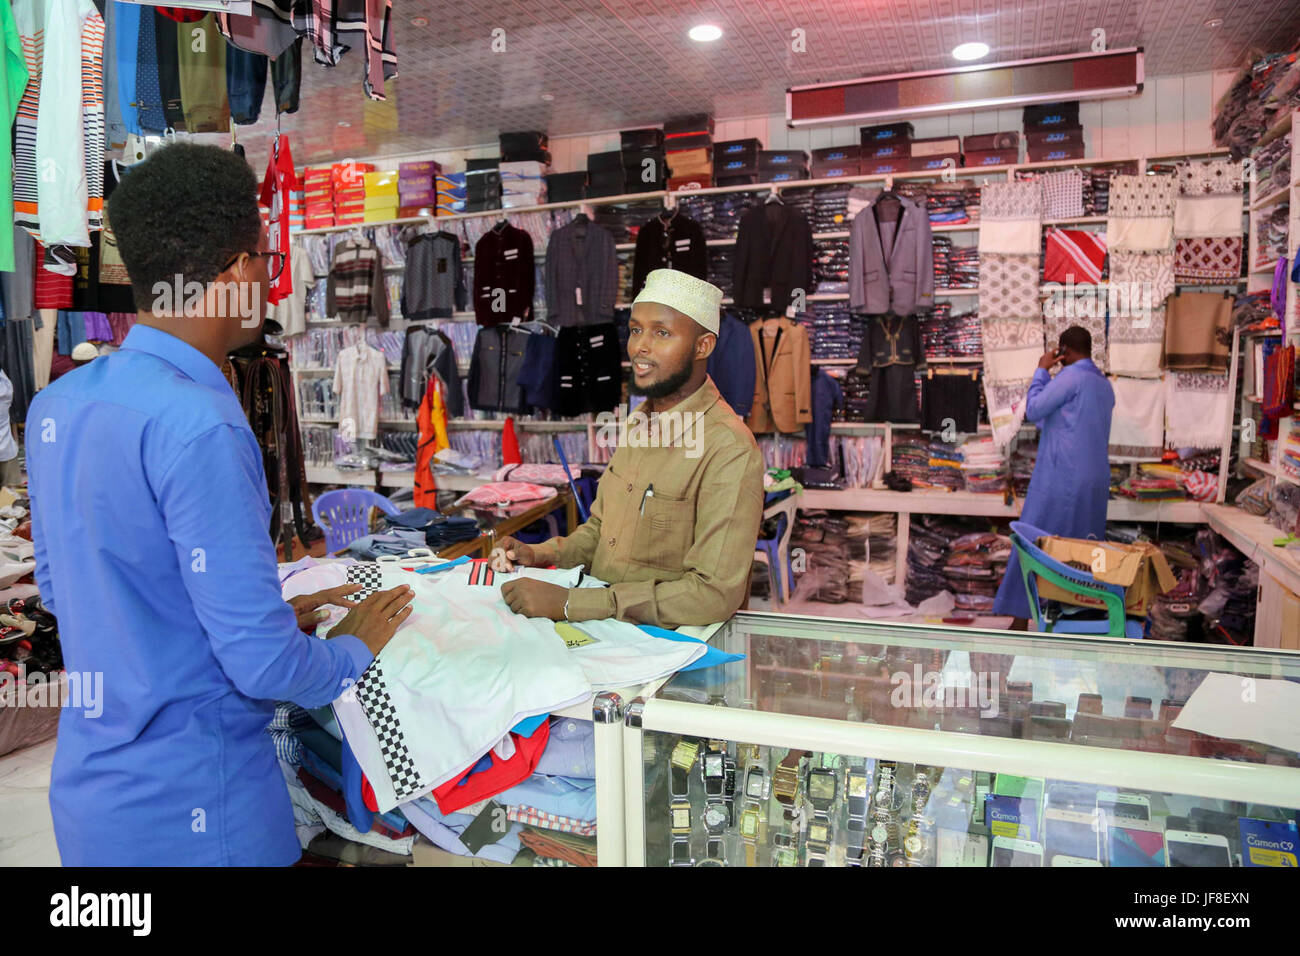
column 1074, row 256
column 471, row 787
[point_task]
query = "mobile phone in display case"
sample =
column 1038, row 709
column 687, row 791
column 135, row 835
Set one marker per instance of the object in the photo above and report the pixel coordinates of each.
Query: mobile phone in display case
column 1135, row 843
column 1185, row 848
column 1127, row 806
column 1074, row 861
column 1008, row 851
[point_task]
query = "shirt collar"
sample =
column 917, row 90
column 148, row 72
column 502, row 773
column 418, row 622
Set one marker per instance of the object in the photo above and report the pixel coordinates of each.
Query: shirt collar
column 184, row 357
column 683, row 418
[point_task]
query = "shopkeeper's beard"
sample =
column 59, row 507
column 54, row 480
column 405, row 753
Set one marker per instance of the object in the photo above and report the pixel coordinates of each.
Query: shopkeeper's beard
column 666, row 386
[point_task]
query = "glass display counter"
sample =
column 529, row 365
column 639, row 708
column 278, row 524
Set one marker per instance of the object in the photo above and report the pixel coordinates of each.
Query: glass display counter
column 845, row 743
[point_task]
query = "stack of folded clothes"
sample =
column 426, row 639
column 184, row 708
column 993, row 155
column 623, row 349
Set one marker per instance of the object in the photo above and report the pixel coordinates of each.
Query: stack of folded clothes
column 951, row 336
column 946, row 202
column 1260, row 97
column 482, row 184
column 830, row 212
column 722, row 268
column 973, row 568
column 833, row 333
column 1253, row 312
column 624, row 221
column 911, row 458
column 423, row 526
column 1023, row 460
column 1273, row 166
column 688, row 145
column 984, row 466
column 964, row 268
column 855, row 387
column 825, row 540
column 1152, row 489
column 831, row 266
column 523, row 183
column 945, row 466
column 882, row 542
column 942, row 250
column 1096, row 190
column 1270, row 234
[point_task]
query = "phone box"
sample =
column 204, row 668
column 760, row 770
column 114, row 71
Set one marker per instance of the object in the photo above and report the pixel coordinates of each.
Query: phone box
column 1139, row 568
column 1026, row 788
column 889, row 131
column 1052, row 153
column 1008, row 140
column 838, row 154
column 992, row 157
column 936, row 146
column 1012, row 817
column 935, row 162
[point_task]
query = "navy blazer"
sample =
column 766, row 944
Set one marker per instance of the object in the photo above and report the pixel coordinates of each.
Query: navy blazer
column 731, row 366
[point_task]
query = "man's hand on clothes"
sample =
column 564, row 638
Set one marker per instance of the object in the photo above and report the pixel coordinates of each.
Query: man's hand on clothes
column 533, row 598
column 510, row 552
column 1050, row 358
column 377, row 618
column 310, row 608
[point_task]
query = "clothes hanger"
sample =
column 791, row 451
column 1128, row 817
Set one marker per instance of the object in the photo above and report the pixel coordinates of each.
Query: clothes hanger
column 774, row 196
column 500, row 226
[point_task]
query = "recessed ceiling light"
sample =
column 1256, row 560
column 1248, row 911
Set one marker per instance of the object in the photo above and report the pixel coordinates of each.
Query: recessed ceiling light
column 1214, row 22
column 419, row 21
column 547, row 97
column 705, row 33
column 344, row 123
column 970, row 51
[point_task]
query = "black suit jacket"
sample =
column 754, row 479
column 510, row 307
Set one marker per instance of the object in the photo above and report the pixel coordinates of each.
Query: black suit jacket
column 686, row 249
column 503, row 260
column 776, row 255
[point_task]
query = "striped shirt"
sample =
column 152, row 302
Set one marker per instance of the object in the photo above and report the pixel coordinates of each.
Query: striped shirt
column 356, row 283
column 32, row 34
column 92, row 112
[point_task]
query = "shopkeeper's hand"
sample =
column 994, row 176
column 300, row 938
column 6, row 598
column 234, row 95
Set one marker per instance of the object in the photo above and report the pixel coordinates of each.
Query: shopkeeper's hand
column 1050, row 358
column 510, row 552
column 533, row 598
column 377, row 618
column 310, row 608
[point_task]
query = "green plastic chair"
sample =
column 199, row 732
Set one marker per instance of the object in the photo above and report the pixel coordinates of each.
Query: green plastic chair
column 1036, row 563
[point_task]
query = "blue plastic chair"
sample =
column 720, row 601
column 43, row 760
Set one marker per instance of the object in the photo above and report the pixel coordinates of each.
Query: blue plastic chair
column 1036, row 563
column 344, row 515
column 775, row 551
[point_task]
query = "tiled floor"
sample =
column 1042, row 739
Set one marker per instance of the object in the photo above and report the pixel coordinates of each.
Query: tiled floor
column 26, row 830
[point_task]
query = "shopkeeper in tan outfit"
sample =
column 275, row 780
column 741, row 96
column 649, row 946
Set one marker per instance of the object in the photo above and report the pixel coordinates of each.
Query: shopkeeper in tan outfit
column 673, row 526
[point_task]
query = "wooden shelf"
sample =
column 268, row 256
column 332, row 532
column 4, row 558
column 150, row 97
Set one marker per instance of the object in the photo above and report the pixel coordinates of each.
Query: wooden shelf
column 1271, row 198
column 991, row 506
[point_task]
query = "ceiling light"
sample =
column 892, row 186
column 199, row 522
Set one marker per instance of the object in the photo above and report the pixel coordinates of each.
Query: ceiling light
column 970, row 51
column 344, row 123
column 419, row 21
column 705, row 33
column 547, row 97
column 1214, row 22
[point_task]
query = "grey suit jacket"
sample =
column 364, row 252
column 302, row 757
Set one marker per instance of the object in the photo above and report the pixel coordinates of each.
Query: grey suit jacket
column 589, row 264
column 904, row 283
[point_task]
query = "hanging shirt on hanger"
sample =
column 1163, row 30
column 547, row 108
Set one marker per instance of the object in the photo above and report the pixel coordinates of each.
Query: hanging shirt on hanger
column 280, row 180
column 29, row 21
column 677, row 243
column 434, row 285
column 169, row 75
column 581, row 275
column 355, row 289
column 148, row 83
column 783, row 381
column 201, row 63
column 504, row 276
column 291, row 311
column 360, row 378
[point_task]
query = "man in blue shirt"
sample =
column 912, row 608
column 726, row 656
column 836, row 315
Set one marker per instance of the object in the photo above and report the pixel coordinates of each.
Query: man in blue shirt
column 1071, row 484
column 150, row 520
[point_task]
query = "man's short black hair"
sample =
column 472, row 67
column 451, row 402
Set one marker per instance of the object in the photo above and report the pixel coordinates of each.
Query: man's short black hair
column 1079, row 339
column 186, row 210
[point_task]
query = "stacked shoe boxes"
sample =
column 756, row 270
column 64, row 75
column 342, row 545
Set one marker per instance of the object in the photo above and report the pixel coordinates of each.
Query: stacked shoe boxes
column 417, row 193
column 451, row 193
column 482, row 184
column 525, row 164
column 991, row 149
column 782, row 165
column 318, row 198
column 566, row 187
column 348, row 180
column 381, row 200
column 1053, row 131
column 605, row 176
column 833, row 162
column 735, row 162
column 688, row 141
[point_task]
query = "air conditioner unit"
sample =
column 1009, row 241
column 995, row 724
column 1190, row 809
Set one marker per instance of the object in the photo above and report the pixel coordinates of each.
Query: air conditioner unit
column 1075, row 76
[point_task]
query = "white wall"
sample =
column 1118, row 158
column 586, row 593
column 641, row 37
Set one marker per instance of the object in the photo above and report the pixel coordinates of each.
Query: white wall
column 1172, row 114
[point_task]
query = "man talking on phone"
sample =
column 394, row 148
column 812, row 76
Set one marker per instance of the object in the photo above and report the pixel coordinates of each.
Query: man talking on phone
column 151, row 525
column 673, row 527
column 1071, row 484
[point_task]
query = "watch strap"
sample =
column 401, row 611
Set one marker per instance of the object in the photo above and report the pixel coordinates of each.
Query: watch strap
column 751, row 853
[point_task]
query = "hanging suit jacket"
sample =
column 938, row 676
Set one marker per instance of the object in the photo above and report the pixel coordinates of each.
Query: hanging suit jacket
column 678, row 244
column 732, row 365
column 776, row 255
column 783, row 384
column 901, row 282
column 503, row 261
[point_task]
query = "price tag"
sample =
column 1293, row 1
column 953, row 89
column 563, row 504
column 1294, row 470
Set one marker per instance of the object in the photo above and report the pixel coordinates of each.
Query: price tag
column 577, row 294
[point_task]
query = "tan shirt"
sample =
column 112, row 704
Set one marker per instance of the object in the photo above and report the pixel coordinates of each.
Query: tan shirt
column 683, row 554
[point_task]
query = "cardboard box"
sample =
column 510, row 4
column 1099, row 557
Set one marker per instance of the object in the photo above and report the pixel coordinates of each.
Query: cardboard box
column 384, row 183
column 838, row 154
column 937, row 163
column 1007, row 140
column 783, row 174
column 350, row 175
column 1045, row 154
column 878, row 167
column 1049, row 115
column 936, row 146
column 991, row 157
column 425, row 168
column 782, row 157
column 1061, row 135
column 737, row 147
column 690, row 182
column 1139, row 568
column 893, row 149
column 380, row 202
column 382, row 214
column 413, row 212
column 834, row 170
column 887, row 132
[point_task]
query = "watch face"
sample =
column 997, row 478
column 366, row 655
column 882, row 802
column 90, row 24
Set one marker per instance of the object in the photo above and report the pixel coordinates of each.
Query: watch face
column 714, row 817
column 912, row 845
column 821, row 786
column 749, row 824
column 818, row 833
column 879, row 834
column 858, row 784
column 713, row 765
column 681, row 818
column 754, row 783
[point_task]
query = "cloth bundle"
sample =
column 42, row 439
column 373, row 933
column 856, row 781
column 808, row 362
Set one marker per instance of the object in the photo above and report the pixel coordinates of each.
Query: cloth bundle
column 1011, row 217
column 505, row 493
column 1074, row 256
column 983, row 466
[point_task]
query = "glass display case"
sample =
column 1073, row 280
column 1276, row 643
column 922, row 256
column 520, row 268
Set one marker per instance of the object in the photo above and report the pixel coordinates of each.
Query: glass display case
column 845, row 743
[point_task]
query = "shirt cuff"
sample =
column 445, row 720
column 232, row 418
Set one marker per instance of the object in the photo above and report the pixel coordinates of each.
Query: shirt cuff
column 547, row 553
column 1042, row 373
column 357, row 652
column 590, row 604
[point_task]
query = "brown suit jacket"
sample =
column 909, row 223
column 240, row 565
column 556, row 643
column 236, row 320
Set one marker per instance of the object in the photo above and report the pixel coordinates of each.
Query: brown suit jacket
column 783, row 380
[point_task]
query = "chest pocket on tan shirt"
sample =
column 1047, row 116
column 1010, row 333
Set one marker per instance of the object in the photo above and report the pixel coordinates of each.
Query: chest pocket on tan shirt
column 664, row 532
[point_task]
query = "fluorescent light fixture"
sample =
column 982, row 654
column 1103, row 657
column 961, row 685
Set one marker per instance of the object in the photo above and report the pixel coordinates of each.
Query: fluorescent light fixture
column 1214, row 22
column 970, row 51
column 548, row 97
column 705, row 33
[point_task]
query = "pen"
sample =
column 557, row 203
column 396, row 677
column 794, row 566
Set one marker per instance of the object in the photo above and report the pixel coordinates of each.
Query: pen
column 649, row 493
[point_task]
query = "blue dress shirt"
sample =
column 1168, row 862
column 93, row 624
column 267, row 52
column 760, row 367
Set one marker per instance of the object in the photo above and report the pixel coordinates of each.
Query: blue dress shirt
column 150, row 520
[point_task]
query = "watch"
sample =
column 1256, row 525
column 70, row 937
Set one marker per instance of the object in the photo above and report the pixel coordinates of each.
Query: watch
column 714, row 855
column 680, row 853
column 715, row 819
column 821, row 788
column 679, row 824
column 757, row 784
column 785, row 847
column 729, row 790
column 857, row 790
column 714, row 770
column 785, row 782
column 751, row 819
column 855, row 841
column 818, row 842
column 682, row 760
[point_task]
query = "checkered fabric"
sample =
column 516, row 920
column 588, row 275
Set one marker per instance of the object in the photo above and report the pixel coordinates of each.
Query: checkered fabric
column 550, row 821
column 382, row 716
column 1063, row 194
column 369, row 575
